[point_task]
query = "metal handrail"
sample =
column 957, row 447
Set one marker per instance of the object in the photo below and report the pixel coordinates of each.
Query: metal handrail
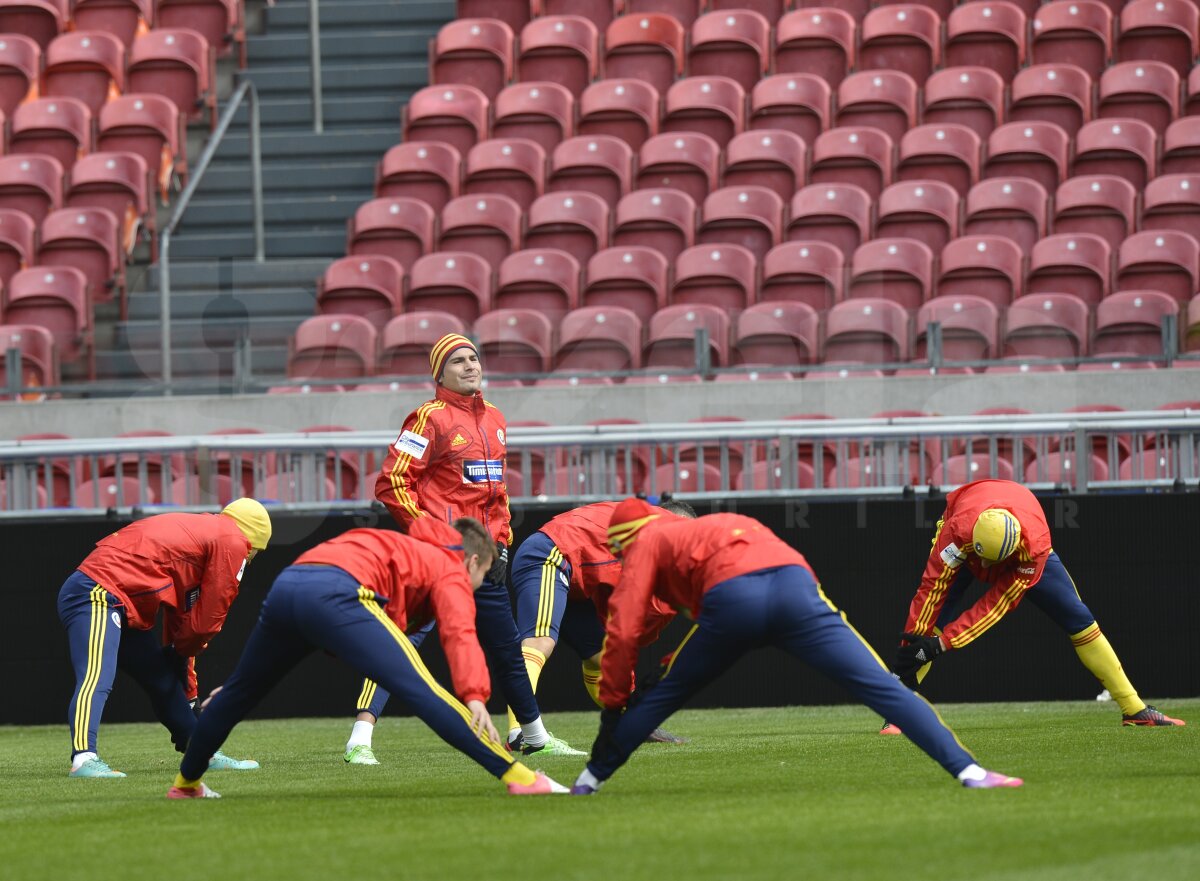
column 314, row 61
column 164, row 249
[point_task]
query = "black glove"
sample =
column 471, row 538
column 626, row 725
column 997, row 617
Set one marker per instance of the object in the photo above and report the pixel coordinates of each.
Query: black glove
column 915, row 654
column 176, row 663
column 605, row 745
column 498, row 574
column 643, row 684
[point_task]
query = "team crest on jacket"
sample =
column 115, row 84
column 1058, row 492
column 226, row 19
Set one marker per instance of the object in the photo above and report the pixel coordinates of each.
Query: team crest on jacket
column 500, row 435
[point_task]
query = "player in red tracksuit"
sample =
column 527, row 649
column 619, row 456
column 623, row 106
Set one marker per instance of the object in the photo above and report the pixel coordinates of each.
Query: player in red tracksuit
column 449, row 462
column 189, row 566
column 995, row 531
column 355, row 596
column 561, row 577
column 745, row 588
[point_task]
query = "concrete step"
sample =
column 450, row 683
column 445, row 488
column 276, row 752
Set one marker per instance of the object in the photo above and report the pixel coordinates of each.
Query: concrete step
column 351, row 111
column 292, row 178
column 239, row 245
column 349, row 77
column 187, row 362
column 279, row 212
column 385, row 45
column 364, row 145
column 213, row 334
column 241, row 275
column 195, row 305
column 361, row 14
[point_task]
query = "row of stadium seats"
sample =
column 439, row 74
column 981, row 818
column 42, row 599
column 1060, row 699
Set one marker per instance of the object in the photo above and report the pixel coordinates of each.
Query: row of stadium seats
column 745, row 45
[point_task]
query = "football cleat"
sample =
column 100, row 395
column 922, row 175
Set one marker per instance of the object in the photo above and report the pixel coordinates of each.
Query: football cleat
column 541, row 785
column 95, row 768
column 201, row 791
column 993, row 780
column 658, row 735
column 889, row 728
column 360, row 755
column 1149, row 717
column 515, row 741
column 222, row 762
column 552, row 747
column 583, row 789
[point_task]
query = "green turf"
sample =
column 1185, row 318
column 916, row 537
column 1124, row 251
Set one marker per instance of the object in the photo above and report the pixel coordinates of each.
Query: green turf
column 781, row 793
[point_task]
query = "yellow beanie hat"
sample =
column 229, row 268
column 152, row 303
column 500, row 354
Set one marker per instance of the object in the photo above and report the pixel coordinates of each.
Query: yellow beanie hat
column 252, row 519
column 996, row 535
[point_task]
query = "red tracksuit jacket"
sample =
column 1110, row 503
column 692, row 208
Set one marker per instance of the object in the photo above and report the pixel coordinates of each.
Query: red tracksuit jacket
column 448, row 462
column 1008, row 579
column 422, row 580
column 678, row 561
column 191, row 564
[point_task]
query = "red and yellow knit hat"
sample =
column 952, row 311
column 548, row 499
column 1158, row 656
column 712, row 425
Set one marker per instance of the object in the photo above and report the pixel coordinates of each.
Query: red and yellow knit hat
column 627, row 520
column 442, row 350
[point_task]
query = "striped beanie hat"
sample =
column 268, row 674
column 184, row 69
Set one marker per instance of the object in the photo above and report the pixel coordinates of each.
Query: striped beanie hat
column 627, row 520
column 441, row 350
column 996, row 535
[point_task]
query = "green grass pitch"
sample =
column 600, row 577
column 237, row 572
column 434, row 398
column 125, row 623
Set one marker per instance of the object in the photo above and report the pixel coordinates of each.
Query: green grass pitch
column 791, row 793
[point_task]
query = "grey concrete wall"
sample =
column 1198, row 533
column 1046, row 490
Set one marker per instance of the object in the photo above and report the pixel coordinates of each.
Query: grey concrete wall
column 675, row 402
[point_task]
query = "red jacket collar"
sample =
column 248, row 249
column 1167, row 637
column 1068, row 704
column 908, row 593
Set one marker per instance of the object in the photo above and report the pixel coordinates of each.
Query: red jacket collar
column 472, row 403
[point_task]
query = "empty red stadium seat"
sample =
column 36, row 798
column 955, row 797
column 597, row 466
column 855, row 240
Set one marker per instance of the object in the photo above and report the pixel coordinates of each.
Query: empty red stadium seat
column 786, row 333
column 885, row 99
column 1046, row 326
column 1145, row 90
column 177, row 64
column 151, row 127
column 956, row 470
column 598, row 12
column 1058, row 93
column 925, row 210
column 661, row 219
column 800, row 103
column 455, row 282
column 945, row 152
column 645, row 46
column 1181, row 146
column 121, row 183
column 124, row 19
column 768, row 476
column 719, row 275
column 539, row 111
column 967, row 96
column 687, row 161
column 735, row 43
column 1131, row 322
column 1075, row 32
column 1014, row 208
column 839, row 214
column 112, row 492
column 670, row 338
column 58, row 127
column 88, row 239
column 20, row 69
column 220, row 22
column 1192, row 322
column 748, row 216
column 866, row 331
column 544, row 279
column 456, row 115
column 633, row 278
column 1124, row 147
column 513, row 167
column 406, row 340
column 487, row 225
column 623, row 108
column 991, row 35
column 401, row 229
column 1058, row 467
column 899, row 270
column 367, row 286
column 514, row 340
column 1162, row 260
column 771, row 158
column 576, row 222
column 1147, row 465
column 820, row 41
column 1071, row 263
column 18, row 235
column 474, row 52
column 809, row 272
column 289, row 487
column 333, row 347
column 969, row 328
column 55, row 298
column 984, row 266
column 1172, row 201
column 31, row 184
column 186, row 490
column 559, row 49
column 514, row 13
column 38, row 354
column 1102, row 204
column 712, row 105
column 599, row 338
column 688, row 477
column 39, row 20
column 1036, row 150
column 904, row 37
column 861, row 156
column 1161, row 30
column 599, row 164
column 428, row 171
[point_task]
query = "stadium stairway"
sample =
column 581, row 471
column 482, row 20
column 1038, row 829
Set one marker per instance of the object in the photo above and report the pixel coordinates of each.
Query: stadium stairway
column 373, row 57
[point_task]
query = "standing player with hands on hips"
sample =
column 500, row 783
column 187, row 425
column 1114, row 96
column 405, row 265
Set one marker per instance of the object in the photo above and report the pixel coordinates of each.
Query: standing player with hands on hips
column 188, row 565
column 995, row 531
column 448, row 462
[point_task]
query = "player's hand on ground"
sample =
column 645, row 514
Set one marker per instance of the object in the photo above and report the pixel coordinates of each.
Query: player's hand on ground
column 916, row 653
column 481, row 722
column 211, row 695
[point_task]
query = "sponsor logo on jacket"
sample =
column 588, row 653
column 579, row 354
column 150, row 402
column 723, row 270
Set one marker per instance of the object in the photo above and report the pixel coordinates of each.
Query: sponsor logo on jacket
column 483, row 470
